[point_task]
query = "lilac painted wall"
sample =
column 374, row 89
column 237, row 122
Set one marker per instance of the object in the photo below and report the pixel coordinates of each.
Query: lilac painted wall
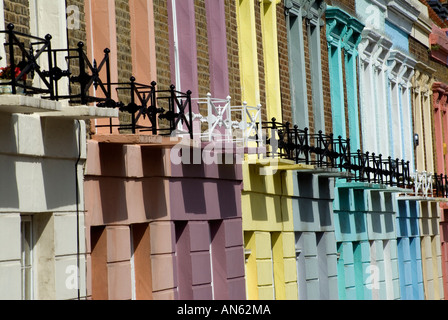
column 186, row 37
column 217, row 46
column 193, row 212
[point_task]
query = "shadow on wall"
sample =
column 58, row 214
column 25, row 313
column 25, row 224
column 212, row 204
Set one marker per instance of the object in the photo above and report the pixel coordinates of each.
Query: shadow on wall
column 63, row 140
column 212, row 190
column 266, row 195
column 9, row 193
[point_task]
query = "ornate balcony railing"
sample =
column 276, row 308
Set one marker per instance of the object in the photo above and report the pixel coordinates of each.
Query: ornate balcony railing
column 325, row 151
column 228, row 123
column 373, row 168
column 169, row 111
column 93, row 88
column 440, row 186
column 285, row 142
column 300, row 146
column 29, row 49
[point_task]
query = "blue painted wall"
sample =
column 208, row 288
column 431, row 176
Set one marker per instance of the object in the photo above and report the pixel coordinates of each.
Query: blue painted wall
column 409, row 251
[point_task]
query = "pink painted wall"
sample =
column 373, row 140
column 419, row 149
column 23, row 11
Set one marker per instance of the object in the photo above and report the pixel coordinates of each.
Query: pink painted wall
column 440, row 92
column 101, row 34
column 192, row 211
column 444, row 248
column 143, row 45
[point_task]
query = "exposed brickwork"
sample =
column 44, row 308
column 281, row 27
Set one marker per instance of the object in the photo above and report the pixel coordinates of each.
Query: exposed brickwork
column 309, row 89
column 76, row 35
column 326, row 79
column 162, row 44
column 124, row 55
column 123, row 25
column 202, row 52
column 260, row 58
column 232, row 53
column 282, row 38
column 348, row 6
column 17, row 12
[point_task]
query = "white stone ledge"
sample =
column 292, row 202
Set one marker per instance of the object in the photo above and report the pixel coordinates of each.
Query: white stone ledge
column 17, row 103
column 82, row 113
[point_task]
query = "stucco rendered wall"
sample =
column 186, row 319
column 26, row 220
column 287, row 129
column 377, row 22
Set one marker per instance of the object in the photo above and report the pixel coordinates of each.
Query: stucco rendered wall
column 409, row 250
column 366, row 236
column 192, row 212
column 429, row 220
column 268, row 234
column 41, row 162
column 316, row 252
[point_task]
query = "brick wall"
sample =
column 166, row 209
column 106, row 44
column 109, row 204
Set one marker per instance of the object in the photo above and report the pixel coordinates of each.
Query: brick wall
column 74, row 36
column 232, row 53
column 326, row 79
column 123, row 24
column 202, row 52
column 162, row 44
column 283, row 64
column 18, row 13
column 309, row 87
column 124, row 55
column 260, row 58
column 346, row 5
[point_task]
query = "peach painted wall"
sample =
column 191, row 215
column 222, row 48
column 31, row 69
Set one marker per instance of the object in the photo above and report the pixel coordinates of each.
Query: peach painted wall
column 101, row 34
column 143, row 45
column 193, row 219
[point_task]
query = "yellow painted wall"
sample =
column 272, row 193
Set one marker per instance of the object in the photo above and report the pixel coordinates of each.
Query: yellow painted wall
column 431, row 250
column 271, row 63
column 248, row 55
column 248, row 58
column 268, row 228
column 422, row 109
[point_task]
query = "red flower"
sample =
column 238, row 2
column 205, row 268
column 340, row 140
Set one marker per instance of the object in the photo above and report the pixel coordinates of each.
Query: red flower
column 5, row 73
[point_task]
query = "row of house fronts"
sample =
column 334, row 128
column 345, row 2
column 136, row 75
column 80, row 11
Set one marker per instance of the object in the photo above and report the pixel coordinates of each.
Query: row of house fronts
column 224, row 149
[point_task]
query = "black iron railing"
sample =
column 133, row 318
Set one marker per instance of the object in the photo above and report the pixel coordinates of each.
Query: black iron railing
column 325, row 151
column 373, row 168
column 440, row 185
column 28, row 49
column 168, row 111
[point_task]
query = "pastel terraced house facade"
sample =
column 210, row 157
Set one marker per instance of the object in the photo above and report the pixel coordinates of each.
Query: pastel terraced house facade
column 227, row 150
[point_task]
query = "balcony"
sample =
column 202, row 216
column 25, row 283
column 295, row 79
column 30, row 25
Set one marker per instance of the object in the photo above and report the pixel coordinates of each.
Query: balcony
column 30, row 87
column 326, row 154
column 227, row 123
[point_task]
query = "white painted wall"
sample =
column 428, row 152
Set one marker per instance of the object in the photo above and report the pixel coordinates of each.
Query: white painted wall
column 45, row 18
column 38, row 158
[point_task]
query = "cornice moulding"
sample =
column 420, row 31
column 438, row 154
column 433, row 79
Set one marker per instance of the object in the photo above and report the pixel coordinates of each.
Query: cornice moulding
column 342, row 26
column 424, row 68
column 438, row 41
column 309, row 9
column 402, row 14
